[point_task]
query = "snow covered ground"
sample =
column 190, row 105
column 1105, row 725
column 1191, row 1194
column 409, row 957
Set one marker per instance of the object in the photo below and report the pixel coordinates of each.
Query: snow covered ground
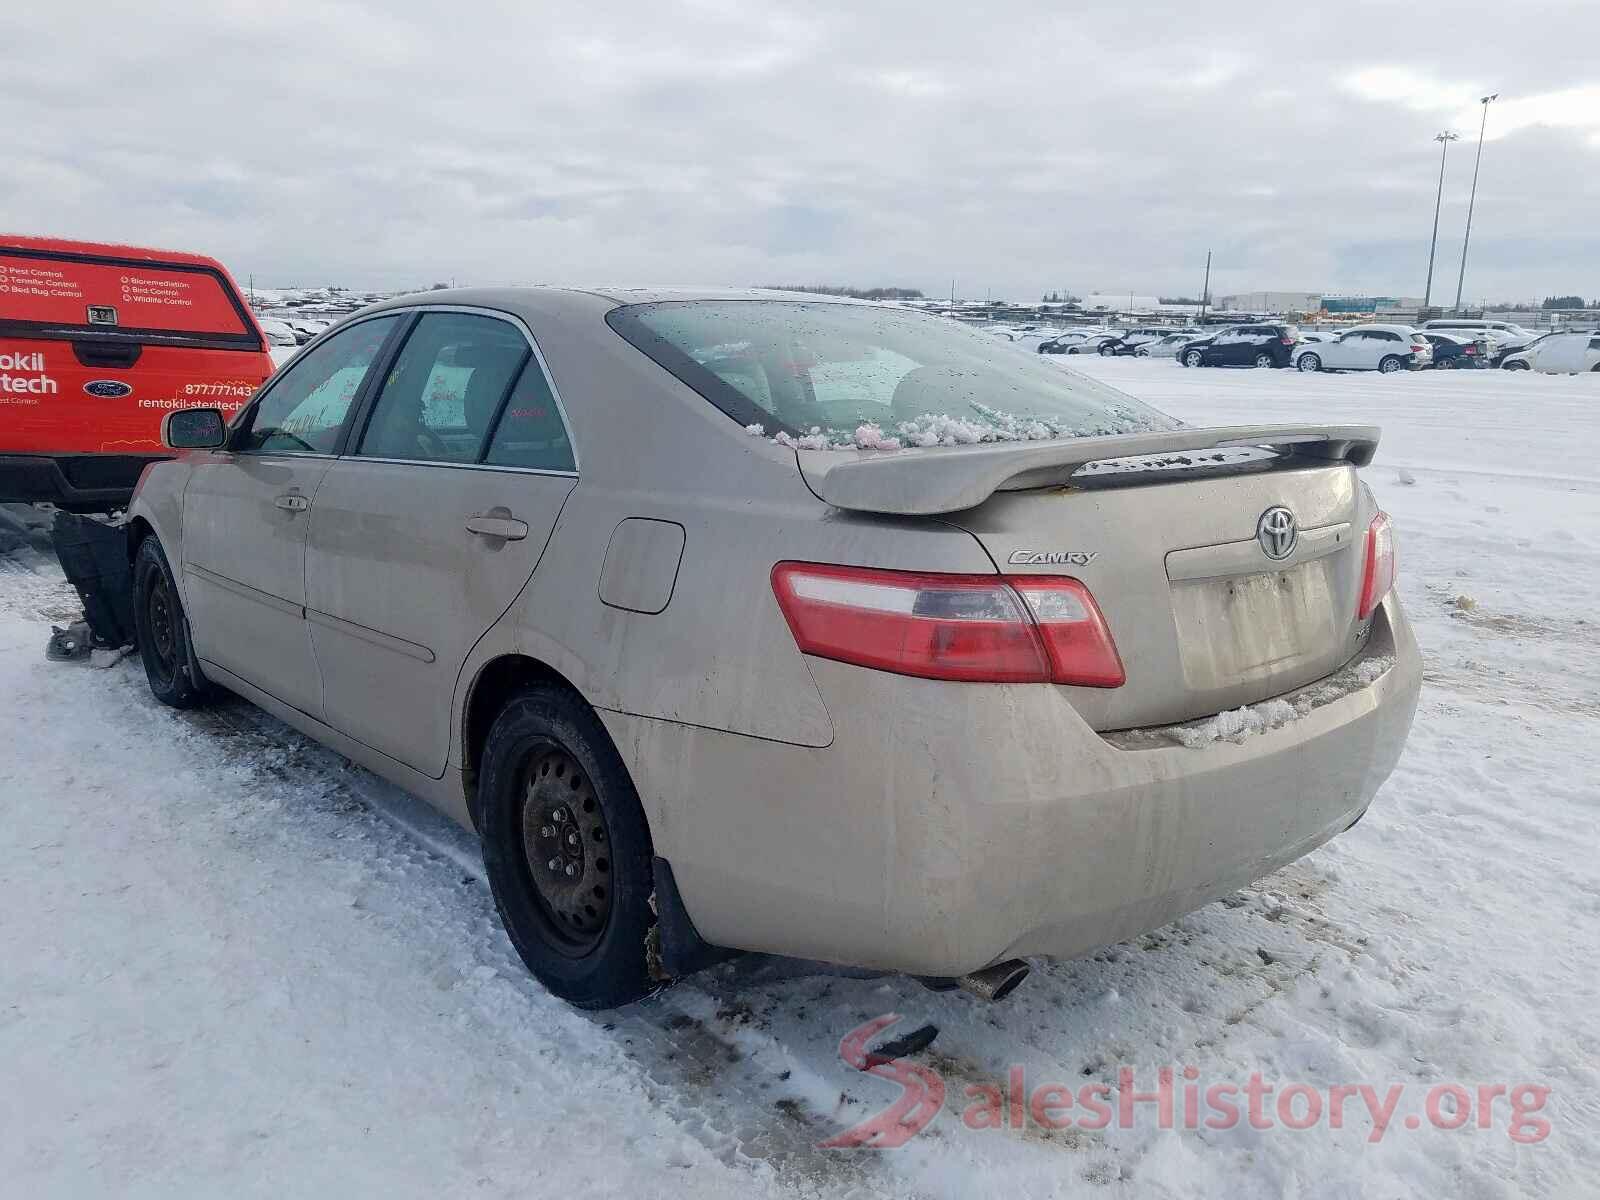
column 231, row 963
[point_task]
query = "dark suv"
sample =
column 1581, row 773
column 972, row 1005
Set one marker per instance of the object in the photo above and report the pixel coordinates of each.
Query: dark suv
column 1242, row 346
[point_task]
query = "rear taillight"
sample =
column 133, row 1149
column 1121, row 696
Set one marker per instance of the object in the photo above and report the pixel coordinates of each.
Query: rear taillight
column 1287, row 341
column 1469, row 349
column 969, row 628
column 1378, row 577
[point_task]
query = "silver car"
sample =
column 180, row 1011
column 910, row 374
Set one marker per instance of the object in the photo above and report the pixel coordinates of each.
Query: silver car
column 752, row 621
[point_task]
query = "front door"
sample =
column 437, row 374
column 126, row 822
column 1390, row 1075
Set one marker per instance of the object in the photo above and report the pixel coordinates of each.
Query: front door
column 246, row 512
column 424, row 535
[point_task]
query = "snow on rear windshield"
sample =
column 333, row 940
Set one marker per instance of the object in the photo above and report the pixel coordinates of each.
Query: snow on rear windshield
column 845, row 376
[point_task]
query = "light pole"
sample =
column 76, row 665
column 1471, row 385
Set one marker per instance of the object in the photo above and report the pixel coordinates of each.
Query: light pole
column 1444, row 139
column 1473, row 198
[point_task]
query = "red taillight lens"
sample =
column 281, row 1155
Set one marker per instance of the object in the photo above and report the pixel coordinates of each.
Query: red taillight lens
column 1074, row 631
column 1469, row 349
column 1287, row 341
column 1378, row 577
column 970, row 628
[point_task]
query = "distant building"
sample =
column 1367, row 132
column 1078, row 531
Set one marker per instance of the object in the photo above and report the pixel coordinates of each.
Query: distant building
column 1271, row 302
column 1119, row 302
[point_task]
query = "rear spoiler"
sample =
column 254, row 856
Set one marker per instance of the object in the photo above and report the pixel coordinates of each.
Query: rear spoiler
column 943, row 479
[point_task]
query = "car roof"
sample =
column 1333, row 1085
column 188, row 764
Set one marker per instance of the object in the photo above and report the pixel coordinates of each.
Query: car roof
column 541, row 301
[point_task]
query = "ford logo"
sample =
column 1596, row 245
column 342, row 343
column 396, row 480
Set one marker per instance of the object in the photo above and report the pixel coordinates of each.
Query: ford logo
column 110, row 389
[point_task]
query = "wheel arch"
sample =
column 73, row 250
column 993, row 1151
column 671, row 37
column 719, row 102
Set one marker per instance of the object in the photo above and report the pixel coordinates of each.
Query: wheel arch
column 494, row 684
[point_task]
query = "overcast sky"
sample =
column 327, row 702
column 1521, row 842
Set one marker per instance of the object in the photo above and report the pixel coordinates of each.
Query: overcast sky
column 1015, row 147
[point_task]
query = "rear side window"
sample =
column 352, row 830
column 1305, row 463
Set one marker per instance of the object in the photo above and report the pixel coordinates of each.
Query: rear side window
column 530, row 433
column 79, row 296
column 447, row 384
column 304, row 410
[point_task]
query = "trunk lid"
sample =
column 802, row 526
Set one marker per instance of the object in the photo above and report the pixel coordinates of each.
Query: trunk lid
column 1205, row 619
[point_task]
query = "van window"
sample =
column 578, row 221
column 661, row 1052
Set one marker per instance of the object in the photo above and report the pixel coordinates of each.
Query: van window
column 445, row 388
column 304, row 410
column 78, row 296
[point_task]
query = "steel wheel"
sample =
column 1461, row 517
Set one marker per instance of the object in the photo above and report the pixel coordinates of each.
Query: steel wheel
column 567, row 849
column 160, row 612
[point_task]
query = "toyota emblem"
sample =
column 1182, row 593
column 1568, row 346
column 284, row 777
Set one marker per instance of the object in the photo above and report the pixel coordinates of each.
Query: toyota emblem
column 1277, row 532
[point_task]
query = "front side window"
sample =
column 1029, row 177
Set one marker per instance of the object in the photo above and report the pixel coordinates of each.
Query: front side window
column 304, row 410
column 445, row 389
column 846, row 374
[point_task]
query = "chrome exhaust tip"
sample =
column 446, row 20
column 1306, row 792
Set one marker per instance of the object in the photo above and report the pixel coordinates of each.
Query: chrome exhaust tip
column 996, row 982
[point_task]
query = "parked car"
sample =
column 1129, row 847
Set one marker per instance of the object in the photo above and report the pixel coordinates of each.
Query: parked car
column 279, row 332
column 1091, row 343
column 97, row 343
column 1128, row 342
column 1453, row 351
column 1074, row 340
column 1368, row 348
column 1557, row 354
column 1059, row 343
column 1506, row 337
column 1167, row 346
column 565, row 564
column 1267, row 345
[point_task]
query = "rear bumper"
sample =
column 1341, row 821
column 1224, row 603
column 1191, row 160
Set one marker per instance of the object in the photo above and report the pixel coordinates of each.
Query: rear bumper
column 79, row 482
column 948, row 828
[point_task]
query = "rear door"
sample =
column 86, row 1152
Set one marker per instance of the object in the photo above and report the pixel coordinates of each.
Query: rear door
column 95, row 350
column 423, row 534
column 246, row 512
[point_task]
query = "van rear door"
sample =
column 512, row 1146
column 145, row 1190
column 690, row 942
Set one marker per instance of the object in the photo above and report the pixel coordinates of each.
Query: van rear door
column 96, row 348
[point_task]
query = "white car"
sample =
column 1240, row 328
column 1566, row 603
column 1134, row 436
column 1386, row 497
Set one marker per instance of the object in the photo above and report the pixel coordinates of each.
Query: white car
column 1506, row 336
column 1557, row 354
column 1167, row 346
column 1383, row 348
column 279, row 333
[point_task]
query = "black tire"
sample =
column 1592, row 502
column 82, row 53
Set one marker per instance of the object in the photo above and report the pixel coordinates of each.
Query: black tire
column 1309, row 361
column 163, row 631
column 1265, row 360
column 1514, row 366
column 1107, row 350
column 549, row 772
column 1193, row 358
column 1389, row 364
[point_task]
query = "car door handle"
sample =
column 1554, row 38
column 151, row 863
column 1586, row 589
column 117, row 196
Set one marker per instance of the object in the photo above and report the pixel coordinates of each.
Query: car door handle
column 293, row 503
column 498, row 523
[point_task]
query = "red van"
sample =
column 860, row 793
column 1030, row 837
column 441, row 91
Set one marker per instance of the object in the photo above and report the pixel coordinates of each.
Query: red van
column 97, row 344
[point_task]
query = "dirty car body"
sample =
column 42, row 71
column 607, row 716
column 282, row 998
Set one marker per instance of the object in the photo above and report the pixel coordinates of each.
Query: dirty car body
column 925, row 706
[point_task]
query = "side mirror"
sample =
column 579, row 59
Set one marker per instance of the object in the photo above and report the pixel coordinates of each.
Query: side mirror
column 194, row 429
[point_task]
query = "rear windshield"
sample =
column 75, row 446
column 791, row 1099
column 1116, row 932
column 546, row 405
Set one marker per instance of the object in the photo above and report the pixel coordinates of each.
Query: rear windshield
column 823, row 376
column 79, row 296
